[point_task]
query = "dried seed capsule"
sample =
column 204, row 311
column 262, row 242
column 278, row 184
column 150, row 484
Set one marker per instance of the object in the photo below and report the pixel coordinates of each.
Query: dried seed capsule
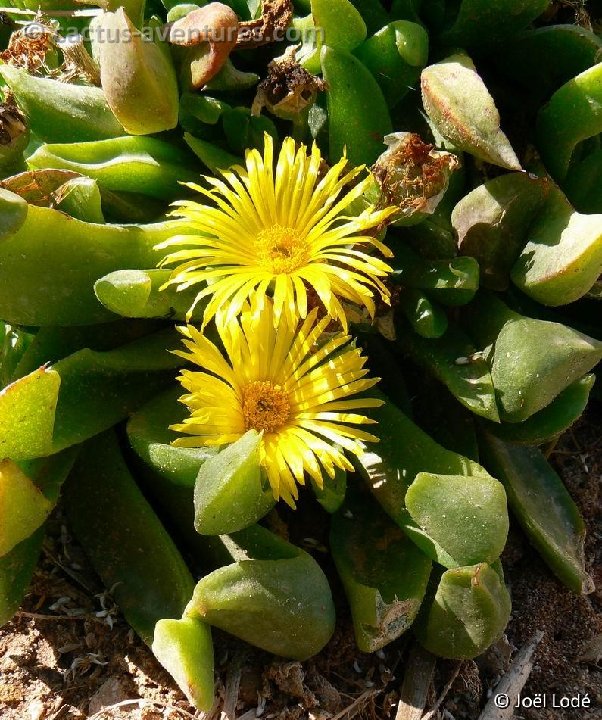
column 413, row 175
column 289, row 90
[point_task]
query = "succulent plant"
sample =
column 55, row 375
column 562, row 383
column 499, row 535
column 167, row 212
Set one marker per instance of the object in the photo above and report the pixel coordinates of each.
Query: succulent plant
column 411, row 194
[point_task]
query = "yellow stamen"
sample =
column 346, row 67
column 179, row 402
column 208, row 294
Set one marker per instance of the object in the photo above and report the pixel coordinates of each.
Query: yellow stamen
column 265, row 406
column 280, row 249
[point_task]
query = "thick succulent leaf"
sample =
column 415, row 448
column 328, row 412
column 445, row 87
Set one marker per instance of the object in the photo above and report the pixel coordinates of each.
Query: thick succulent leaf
column 44, row 476
column 137, row 76
column 16, row 570
column 13, row 213
column 525, row 378
column 453, row 360
column 459, row 520
column 27, row 408
column 582, row 183
column 451, row 282
column 550, row 422
column 563, row 256
column 123, row 538
column 358, row 117
column 49, row 265
column 139, row 294
column 404, row 450
column 481, row 24
column 574, row 49
column 212, row 156
column 82, row 395
column 185, row 650
column 279, row 601
column 61, row 112
column 341, row 24
column 23, row 507
column 384, row 574
column 543, row 507
column 151, row 439
column 573, row 114
column 462, row 110
column 231, row 491
column 142, row 165
column 427, row 318
column 395, row 55
column 469, row 612
column 492, row 223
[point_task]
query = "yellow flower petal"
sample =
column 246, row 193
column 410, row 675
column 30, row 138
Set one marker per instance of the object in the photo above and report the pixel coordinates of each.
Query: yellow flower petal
column 279, row 224
column 286, row 381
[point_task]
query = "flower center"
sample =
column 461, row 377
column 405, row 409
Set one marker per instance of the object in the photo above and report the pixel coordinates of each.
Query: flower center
column 280, row 249
column 265, row 406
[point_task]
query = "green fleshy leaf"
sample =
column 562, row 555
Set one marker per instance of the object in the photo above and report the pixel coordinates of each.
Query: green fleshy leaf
column 460, row 520
column 543, row 507
column 185, row 650
column 151, row 439
column 23, row 507
column 230, row 491
column 453, row 360
column 82, row 395
column 384, row 574
column 469, row 612
column 279, row 601
column 493, row 220
column 563, row 256
column 462, row 110
column 551, row 421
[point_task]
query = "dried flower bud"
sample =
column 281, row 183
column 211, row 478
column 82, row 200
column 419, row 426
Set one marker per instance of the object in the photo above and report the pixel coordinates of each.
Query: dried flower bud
column 288, row 90
column 412, row 174
column 14, row 134
column 275, row 18
column 29, row 47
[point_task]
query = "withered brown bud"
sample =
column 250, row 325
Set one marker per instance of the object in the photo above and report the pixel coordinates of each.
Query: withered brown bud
column 27, row 48
column 14, row 134
column 288, row 90
column 275, row 18
column 412, row 174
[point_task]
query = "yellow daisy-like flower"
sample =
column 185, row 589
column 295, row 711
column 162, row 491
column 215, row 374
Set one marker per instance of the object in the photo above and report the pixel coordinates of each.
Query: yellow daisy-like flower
column 281, row 231
column 289, row 383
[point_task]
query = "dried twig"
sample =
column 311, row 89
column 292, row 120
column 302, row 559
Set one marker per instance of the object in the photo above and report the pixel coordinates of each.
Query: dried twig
column 39, row 616
column 416, row 682
column 512, row 683
column 352, row 710
column 431, row 713
column 140, row 702
column 233, row 685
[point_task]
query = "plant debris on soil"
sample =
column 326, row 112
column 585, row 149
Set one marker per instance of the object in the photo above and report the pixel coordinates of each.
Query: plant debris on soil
column 68, row 653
